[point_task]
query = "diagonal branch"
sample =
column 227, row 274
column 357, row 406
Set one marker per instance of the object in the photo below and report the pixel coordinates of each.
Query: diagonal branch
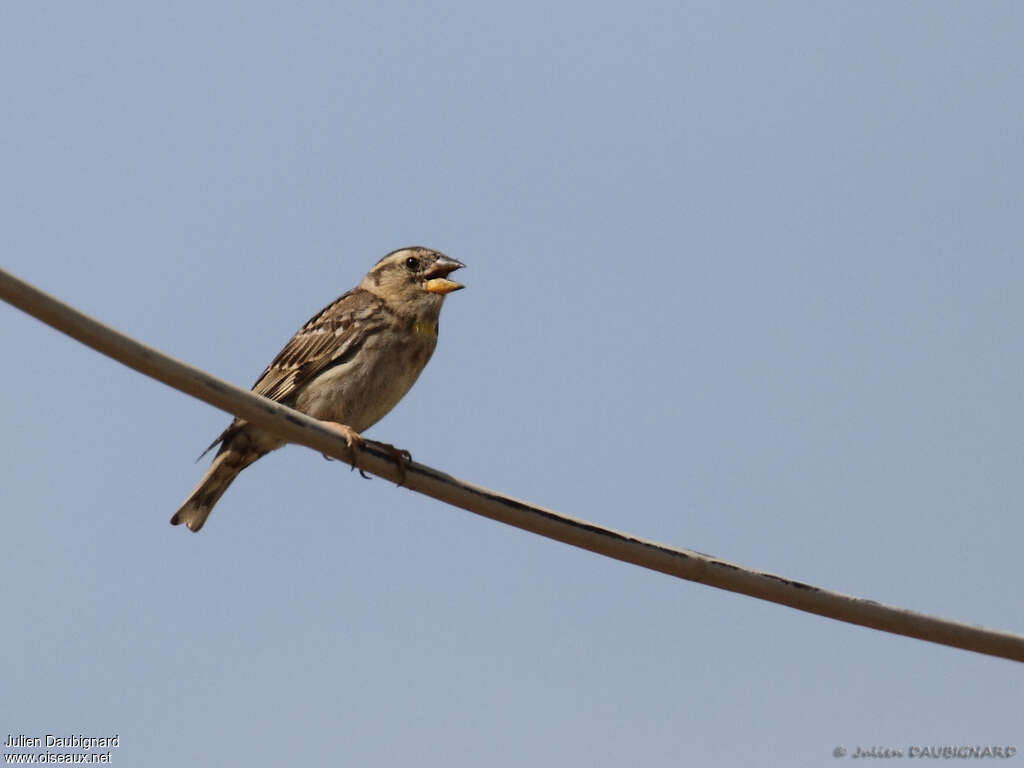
column 685, row 564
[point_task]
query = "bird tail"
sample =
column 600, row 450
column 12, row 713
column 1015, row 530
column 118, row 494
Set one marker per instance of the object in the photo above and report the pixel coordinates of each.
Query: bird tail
column 222, row 472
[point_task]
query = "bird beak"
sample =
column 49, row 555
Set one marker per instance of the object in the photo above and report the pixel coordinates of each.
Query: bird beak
column 438, row 273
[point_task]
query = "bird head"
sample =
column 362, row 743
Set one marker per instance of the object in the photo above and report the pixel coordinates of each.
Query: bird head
column 414, row 277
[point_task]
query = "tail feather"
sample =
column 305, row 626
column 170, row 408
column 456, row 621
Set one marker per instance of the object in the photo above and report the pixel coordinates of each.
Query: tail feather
column 222, row 472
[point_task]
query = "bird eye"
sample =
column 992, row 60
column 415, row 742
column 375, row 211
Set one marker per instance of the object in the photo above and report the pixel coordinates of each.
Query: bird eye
column 412, row 263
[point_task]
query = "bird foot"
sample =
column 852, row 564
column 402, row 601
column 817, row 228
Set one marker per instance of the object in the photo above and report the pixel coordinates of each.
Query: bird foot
column 354, row 439
column 401, row 456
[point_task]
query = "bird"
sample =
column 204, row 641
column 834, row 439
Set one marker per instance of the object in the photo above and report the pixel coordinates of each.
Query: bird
column 348, row 366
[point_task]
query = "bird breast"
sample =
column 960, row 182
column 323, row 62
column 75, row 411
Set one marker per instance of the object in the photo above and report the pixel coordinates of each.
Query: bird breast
column 361, row 391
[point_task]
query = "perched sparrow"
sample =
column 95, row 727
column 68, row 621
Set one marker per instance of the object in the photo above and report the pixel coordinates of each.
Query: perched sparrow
column 350, row 364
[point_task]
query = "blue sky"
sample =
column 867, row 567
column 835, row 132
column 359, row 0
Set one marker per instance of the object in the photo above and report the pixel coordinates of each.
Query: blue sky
column 742, row 278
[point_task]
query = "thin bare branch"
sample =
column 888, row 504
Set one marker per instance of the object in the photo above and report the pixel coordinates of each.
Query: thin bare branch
column 683, row 563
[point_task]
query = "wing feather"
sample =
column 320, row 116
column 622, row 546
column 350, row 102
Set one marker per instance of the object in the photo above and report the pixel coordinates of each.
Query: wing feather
column 331, row 337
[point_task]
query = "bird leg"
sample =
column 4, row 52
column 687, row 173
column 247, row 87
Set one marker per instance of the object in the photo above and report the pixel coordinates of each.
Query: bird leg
column 354, row 439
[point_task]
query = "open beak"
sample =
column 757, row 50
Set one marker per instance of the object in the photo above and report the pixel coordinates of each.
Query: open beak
column 437, row 275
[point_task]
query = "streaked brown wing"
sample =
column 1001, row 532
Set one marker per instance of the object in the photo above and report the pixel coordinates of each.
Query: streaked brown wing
column 332, row 336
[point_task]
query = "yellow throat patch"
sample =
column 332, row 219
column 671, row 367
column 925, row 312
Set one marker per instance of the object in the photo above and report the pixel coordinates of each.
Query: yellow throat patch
column 425, row 329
